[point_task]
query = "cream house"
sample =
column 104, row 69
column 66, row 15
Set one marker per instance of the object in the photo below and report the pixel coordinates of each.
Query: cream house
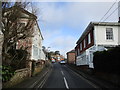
column 34, row 43
column 98, row 36
column 37, row 52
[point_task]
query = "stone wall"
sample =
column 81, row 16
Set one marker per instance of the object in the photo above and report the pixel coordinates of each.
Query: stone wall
column 37, row 69
column 19, row 76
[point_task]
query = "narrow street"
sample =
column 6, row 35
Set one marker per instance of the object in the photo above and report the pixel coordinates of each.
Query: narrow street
column 63, row 77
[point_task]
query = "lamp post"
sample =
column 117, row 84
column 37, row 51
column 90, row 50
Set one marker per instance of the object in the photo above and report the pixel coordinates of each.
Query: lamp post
column 48, row 52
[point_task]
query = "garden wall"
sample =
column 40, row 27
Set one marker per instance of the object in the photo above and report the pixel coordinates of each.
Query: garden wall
column 19, row 76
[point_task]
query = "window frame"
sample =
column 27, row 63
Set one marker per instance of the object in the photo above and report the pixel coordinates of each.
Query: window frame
column 109, row 34
column 89, row 38
column 84, row 43
column 81, row 46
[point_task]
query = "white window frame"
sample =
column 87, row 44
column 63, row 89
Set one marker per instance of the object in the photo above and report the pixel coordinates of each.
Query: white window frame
column 89, row 39
column 35, row 52
column 109, row 34
column 84, row 43
column 81, row 46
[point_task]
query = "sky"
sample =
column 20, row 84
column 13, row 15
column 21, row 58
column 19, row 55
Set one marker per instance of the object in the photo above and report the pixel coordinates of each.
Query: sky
column 62, row 23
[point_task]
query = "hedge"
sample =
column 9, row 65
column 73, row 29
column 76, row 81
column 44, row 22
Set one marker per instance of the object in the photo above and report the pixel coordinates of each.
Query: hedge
column 107, row 61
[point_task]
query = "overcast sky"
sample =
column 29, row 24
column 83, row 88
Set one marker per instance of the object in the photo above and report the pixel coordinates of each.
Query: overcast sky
column 62, row 23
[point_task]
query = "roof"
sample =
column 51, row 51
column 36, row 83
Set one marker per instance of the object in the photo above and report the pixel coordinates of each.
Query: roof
column 28, row 13
column 106, row 23
column 39, row 30
column 22, row 10
column 91, row 24
column 72, row 51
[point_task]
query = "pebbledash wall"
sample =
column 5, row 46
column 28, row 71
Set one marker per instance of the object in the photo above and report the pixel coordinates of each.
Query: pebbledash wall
column 94, row 39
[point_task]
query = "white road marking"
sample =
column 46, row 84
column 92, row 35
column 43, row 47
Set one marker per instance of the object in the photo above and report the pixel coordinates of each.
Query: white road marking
column 38, row 80
column 62, row 72
column 44, row 80
column 66, row 84
column 83, row 78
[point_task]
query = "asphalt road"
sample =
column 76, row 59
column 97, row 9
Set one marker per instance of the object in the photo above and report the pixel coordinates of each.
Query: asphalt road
column 63, row 77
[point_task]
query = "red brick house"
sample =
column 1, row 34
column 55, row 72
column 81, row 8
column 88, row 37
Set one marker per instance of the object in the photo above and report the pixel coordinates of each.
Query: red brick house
column 71, row 57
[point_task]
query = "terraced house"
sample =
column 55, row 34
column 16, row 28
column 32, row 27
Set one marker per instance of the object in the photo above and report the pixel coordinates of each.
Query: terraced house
column 98, row 36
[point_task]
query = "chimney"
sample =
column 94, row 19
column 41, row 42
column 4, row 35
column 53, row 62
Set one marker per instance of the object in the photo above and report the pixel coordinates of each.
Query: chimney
column 119, row 11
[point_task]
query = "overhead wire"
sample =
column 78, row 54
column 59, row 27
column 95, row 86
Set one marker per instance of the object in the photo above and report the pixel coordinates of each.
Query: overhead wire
column 111, row 13
column 108, row 11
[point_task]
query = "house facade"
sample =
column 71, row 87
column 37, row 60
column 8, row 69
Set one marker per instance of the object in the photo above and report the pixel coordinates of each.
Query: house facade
column 33, row 44
column 98, row 36
column 71, row 57
column 1, row 42
column 37, row 51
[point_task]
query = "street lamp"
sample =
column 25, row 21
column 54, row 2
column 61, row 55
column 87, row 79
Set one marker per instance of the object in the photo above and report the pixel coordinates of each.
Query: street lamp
column 48, row 52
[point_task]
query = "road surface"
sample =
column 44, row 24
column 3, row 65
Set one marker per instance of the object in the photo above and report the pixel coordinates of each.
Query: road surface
column 63, row 77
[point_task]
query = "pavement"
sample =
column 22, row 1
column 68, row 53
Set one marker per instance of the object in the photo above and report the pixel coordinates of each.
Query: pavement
column 32, row 82
column 99, row 82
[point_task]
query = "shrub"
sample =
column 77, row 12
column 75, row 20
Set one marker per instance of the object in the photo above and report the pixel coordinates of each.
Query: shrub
column 7, row 72
column 107, row 61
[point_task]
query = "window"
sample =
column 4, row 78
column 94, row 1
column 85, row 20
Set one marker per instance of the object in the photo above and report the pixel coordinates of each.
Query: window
column 78, row 51
column 84, row 43
column 81, row 46
column 20, row 26
column 89, row 39
column 35, row 51
column 109, row 33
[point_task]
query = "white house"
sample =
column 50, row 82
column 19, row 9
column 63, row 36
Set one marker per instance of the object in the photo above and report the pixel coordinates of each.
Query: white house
column 33, row 43
column 37, row 52
column 98, row 36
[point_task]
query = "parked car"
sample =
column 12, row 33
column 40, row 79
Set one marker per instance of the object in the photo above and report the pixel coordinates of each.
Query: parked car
column 53, row 61
column 62, row 62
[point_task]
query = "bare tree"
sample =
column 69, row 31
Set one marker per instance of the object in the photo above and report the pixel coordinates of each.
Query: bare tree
column 12, row 29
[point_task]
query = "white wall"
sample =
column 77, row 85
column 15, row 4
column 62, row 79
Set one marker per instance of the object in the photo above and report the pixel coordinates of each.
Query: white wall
column 82, row 59
column 119, row 35
column 42, row 55
column 37, row 44
column 100, row 35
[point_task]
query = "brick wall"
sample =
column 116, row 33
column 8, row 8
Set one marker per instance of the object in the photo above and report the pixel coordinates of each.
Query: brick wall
column 71, row 58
